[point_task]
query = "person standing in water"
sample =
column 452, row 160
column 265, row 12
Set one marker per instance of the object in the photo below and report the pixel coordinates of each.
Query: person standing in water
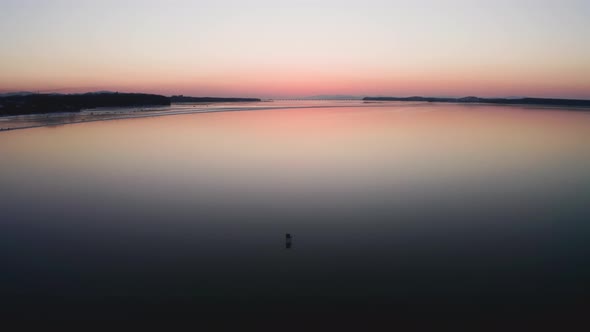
column 288, row 238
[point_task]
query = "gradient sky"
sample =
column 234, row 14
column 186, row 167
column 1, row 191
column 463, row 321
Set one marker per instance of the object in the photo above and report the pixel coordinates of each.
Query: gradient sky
column 270, row 48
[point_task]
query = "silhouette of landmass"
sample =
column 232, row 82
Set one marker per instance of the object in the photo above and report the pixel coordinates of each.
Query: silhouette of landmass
column 54, row 103
column 17, row 93
column 504, row 101
column 186, row 99
column 29, row 103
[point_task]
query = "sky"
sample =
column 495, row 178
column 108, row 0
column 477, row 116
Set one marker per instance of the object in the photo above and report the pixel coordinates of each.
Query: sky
column 282, row 49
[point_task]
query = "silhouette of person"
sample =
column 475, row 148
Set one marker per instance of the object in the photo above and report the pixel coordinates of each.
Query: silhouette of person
column 288, row 238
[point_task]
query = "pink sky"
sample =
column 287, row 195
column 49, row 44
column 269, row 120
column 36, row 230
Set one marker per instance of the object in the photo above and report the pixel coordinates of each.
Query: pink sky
column 265, row 49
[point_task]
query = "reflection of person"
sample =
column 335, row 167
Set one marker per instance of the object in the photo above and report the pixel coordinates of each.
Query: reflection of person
column 288, row 241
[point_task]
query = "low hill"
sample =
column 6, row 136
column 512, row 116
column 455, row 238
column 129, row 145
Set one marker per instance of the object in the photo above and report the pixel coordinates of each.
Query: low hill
column 55, row 103
column 503, row 101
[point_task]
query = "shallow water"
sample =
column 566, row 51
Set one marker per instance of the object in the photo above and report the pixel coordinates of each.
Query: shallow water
column 405, row 201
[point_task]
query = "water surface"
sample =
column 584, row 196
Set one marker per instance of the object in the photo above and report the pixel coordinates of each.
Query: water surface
column 413, row 202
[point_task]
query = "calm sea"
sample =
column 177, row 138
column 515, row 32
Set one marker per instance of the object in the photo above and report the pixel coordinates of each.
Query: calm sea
column 383, row 203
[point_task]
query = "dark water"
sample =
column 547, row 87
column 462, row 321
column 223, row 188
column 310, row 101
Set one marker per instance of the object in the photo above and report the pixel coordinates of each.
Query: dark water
column 436, row 204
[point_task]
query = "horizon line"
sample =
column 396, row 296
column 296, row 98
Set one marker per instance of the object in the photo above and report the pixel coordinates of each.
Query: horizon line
column 326, row 96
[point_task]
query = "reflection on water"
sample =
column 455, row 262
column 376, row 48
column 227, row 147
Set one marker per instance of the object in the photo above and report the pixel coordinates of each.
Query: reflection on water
column 111, row 113
column 420, row 202
column 288, row 241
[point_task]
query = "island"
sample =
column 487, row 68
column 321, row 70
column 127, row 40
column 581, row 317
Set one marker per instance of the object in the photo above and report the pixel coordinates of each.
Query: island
column 502, row 101
column 186, row 99
column 21, row 104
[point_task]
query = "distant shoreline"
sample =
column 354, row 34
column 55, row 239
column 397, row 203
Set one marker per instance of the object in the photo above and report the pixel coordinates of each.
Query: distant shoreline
column 32, row 103
column 59, row 103
column 270, row 107
column 172, row 113
column 496, row 101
